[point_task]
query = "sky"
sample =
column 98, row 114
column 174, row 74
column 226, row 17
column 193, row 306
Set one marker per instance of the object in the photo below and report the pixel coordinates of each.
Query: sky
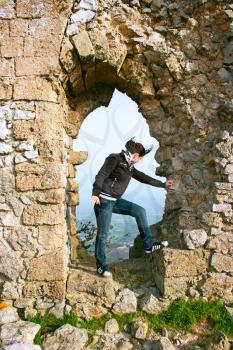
column 105, row 131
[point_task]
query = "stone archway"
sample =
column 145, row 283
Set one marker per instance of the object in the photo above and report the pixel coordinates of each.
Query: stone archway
column 175, row 62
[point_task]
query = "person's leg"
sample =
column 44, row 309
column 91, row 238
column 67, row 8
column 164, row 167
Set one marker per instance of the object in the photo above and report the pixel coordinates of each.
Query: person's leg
column 103, row 213
column 122, row 206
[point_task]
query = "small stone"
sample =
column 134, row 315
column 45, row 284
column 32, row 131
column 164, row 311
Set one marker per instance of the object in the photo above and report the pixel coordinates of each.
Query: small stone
column 68, row 308
column 225, row 75
column 82, row 16
column 228, row 169
column 218, row 342
column 7, row 315
column 4, row 131
column 31, row 154
column 139, row 328
column 194, row 238
column 221, row 208
column 5, row 112
column 126, row 302
column 18, row 332
column 163, row 344
column 150, row 304
column 87, row 5
column 5, row 148
column 157, row 4
column 25, row 146
column 23, row 115
column 66, row 337
column 58, row 310
column 20, row 159
column 72, row 29
column 111, row 326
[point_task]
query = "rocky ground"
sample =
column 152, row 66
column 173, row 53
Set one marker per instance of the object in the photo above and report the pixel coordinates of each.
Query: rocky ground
column 89, row 296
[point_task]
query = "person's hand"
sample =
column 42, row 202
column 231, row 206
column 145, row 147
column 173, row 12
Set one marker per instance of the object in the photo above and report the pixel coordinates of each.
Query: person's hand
column 95, row 200
column 170, row 184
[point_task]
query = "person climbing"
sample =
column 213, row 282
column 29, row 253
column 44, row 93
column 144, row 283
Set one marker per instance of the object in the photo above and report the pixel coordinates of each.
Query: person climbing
column 110, row 183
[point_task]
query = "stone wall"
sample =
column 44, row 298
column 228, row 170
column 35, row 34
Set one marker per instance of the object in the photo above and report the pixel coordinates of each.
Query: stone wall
column 59, row 61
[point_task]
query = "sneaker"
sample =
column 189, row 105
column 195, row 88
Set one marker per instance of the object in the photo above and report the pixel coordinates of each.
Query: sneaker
column 157, row 246
column 103, row 272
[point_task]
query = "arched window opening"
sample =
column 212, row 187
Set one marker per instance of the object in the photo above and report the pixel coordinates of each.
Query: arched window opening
column 105, row 131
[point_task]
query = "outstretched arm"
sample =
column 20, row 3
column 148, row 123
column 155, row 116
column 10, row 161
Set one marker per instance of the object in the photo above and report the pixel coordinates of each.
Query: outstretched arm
column 140, row 176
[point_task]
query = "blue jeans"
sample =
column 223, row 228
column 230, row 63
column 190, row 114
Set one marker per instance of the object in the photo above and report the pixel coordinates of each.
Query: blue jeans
column 103, row 213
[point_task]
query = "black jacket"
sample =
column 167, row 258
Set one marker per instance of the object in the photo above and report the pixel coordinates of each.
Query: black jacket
column 115, row 174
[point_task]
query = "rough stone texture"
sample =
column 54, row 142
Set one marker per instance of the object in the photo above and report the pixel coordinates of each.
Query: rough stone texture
column 175, row 268
column 36, row 214
column 126, row 302
column 194, row 238
column 59, row 60
column 18, row 332
column 111, row 326
column 163, row 344
column 83, row 287
column 218, row 342
column 68, row 337
column 39, row 177
column 7, row 315
column 139, row 328
column 47, row 268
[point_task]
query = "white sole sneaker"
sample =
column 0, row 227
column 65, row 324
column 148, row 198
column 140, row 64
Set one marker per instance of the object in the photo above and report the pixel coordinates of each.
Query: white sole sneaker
column 156, row 246
column 107, row 274
column 103, row 273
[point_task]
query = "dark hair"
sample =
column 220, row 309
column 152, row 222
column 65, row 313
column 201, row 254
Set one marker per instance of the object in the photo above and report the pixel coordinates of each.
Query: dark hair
column 136, row 147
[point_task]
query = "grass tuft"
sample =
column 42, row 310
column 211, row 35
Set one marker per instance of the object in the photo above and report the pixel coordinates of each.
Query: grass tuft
column 180, row 315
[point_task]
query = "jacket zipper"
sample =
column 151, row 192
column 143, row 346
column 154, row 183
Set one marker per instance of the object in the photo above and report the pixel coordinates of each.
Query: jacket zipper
column 113, row 182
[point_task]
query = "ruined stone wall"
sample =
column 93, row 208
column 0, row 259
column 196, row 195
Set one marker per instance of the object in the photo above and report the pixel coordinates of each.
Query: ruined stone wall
column 60, row 61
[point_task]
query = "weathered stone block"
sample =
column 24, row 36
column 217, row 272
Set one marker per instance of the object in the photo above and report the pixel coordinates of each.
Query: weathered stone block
column 77, row 157
column 12, row 47
column 37, row 65
column 36, row 214
column 83, row 45
column 50, row 289
column 50, row 196
column 80, row 281
column 194, row 238
column 222, row 263
column 7, row 9
column 217, row 285
column 36, row 8
column 72, row 184
column 212, row 219
column 180, row 263
column 53, row 237
column 11, row 265
column 82, row 16
column 23, row 129
column 6, row 67
column 221, row 208
column 18, row 27
column 6, row 89
column 49, row 267
column 42, row 46
column 67, row 337
column 34, row 89
column 7, row 180
column 22, row 238
column 73, row 198
column 39, row 176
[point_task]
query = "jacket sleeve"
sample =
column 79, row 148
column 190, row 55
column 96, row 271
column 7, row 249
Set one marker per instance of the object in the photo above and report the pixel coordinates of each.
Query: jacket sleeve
column 146, row 179
column 106, row 169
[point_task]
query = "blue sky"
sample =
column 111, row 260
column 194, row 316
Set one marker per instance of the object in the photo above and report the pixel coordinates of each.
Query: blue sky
column 106, row 130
